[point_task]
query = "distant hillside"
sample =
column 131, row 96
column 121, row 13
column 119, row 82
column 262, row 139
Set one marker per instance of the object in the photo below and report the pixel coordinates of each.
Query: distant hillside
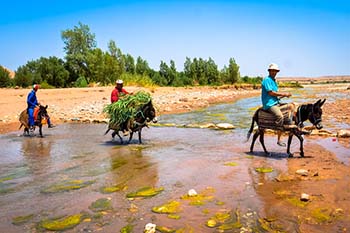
column 12, row 73
column 322, row 79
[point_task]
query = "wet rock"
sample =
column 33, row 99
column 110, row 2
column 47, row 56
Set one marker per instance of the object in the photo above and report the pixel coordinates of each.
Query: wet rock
column 192, row 193
column 225, row 126
column 150, row 228
column 304, row 197
column 343, row 133
column 302, row 172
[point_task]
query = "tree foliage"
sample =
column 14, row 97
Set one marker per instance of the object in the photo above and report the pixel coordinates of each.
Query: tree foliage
column 5, row 79
column 85, row 63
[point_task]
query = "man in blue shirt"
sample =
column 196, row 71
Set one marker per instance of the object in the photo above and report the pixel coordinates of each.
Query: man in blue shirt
column 32, row 102
column 270, row 100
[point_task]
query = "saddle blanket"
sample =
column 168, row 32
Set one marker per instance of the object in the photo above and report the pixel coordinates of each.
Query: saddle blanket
column 266, row 120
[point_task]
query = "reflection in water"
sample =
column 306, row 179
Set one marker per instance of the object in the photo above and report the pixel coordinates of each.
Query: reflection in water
column 36, row 153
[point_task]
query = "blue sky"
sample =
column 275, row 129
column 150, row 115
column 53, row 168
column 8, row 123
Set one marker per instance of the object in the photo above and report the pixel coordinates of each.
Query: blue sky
column 305, row 38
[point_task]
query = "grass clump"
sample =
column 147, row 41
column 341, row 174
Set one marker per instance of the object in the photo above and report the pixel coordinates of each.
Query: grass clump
column 126, row 107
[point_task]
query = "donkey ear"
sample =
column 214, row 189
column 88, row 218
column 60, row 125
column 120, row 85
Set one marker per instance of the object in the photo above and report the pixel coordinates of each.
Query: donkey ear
column 322, row 102
column 318, row 102
column 46, row 107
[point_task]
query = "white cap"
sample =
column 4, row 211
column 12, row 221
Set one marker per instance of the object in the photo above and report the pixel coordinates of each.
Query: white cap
column 273, row 66
column 119, row 81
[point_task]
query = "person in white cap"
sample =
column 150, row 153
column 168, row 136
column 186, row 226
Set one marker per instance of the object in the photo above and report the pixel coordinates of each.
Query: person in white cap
column 118, row 91
column 270, row 98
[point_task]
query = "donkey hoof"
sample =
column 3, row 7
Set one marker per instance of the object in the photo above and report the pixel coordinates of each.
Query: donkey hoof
column 290, row 155
column 302, row 155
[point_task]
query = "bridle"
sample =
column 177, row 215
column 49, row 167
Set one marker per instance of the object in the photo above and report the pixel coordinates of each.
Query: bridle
column 299, row 120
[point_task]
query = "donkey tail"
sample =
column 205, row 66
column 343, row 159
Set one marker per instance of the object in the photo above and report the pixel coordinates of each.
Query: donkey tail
column 254, row 119
column 20, row 126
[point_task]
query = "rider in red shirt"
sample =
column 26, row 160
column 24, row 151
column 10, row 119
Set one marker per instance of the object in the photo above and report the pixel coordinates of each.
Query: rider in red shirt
column 117, row 91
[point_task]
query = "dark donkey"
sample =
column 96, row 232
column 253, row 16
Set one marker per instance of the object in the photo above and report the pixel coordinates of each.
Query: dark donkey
column 311, row 112
column 38, row 121
column 144, row 115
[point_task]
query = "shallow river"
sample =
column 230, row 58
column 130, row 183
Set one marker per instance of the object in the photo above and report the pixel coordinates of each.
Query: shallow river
column 63, row 173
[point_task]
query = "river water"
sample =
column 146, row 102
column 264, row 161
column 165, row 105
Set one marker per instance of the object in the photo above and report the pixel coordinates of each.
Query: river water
column 214, row 163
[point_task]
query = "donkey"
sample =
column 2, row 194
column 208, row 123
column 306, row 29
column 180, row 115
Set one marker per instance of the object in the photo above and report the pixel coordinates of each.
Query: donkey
column 144, row 115
column 311, row 112
column 39, row 118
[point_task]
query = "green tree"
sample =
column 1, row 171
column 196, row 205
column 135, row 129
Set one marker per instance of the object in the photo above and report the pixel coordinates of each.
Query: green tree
column 79, row 42
column 129, row 64
column 5, row 79
column 119, row 64
column 23, row 77
column 212, row 72
column 52, row 70
column 233, row 71
column 142, row 67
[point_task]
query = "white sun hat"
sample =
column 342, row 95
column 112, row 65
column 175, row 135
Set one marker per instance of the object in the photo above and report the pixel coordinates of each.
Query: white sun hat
column 119, row 81
column 273, row 66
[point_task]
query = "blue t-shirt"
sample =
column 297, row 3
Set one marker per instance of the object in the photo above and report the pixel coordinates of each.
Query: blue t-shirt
column 31, row 100
column 268, row 84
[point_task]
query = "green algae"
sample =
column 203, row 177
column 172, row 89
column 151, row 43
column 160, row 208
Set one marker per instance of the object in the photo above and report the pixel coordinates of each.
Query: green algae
column 101, row 204
column 5, row 188
column 174, row 216
column 22, row 219
column 145, row 192
column 169, row 208
column 321, row 215
column 115, row 188
column 232, row 164
column 18, row 172
column 264, row 169
column 61, row 224
column 163, row 229
column 225, row 221
column 219, row 203
column 297, row 202
column 230, row 226
column 201, row 198
column 127, row 229
column 67, row 186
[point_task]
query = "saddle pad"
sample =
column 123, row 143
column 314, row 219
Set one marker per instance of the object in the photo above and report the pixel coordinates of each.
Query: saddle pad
column 267, row 120
column 36, row 111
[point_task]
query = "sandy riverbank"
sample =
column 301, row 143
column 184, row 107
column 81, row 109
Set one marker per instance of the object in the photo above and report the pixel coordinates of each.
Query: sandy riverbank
column 86, row 104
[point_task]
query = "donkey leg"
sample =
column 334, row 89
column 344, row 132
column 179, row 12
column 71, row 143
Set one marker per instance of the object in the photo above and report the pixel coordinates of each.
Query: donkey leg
column 140, row 141
column 255, row 136
column 41, row 131
column 121, row 139
column 130, row 137
column 261, row 139
column 290, row 155
column 301, row 139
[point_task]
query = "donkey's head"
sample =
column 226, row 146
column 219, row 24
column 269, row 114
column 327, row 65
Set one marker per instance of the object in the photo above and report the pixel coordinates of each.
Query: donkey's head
column 315, row 113
column 150, row 112
column 42, row 112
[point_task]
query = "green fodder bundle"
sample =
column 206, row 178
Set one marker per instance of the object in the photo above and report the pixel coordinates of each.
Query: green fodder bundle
column 126, row 107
